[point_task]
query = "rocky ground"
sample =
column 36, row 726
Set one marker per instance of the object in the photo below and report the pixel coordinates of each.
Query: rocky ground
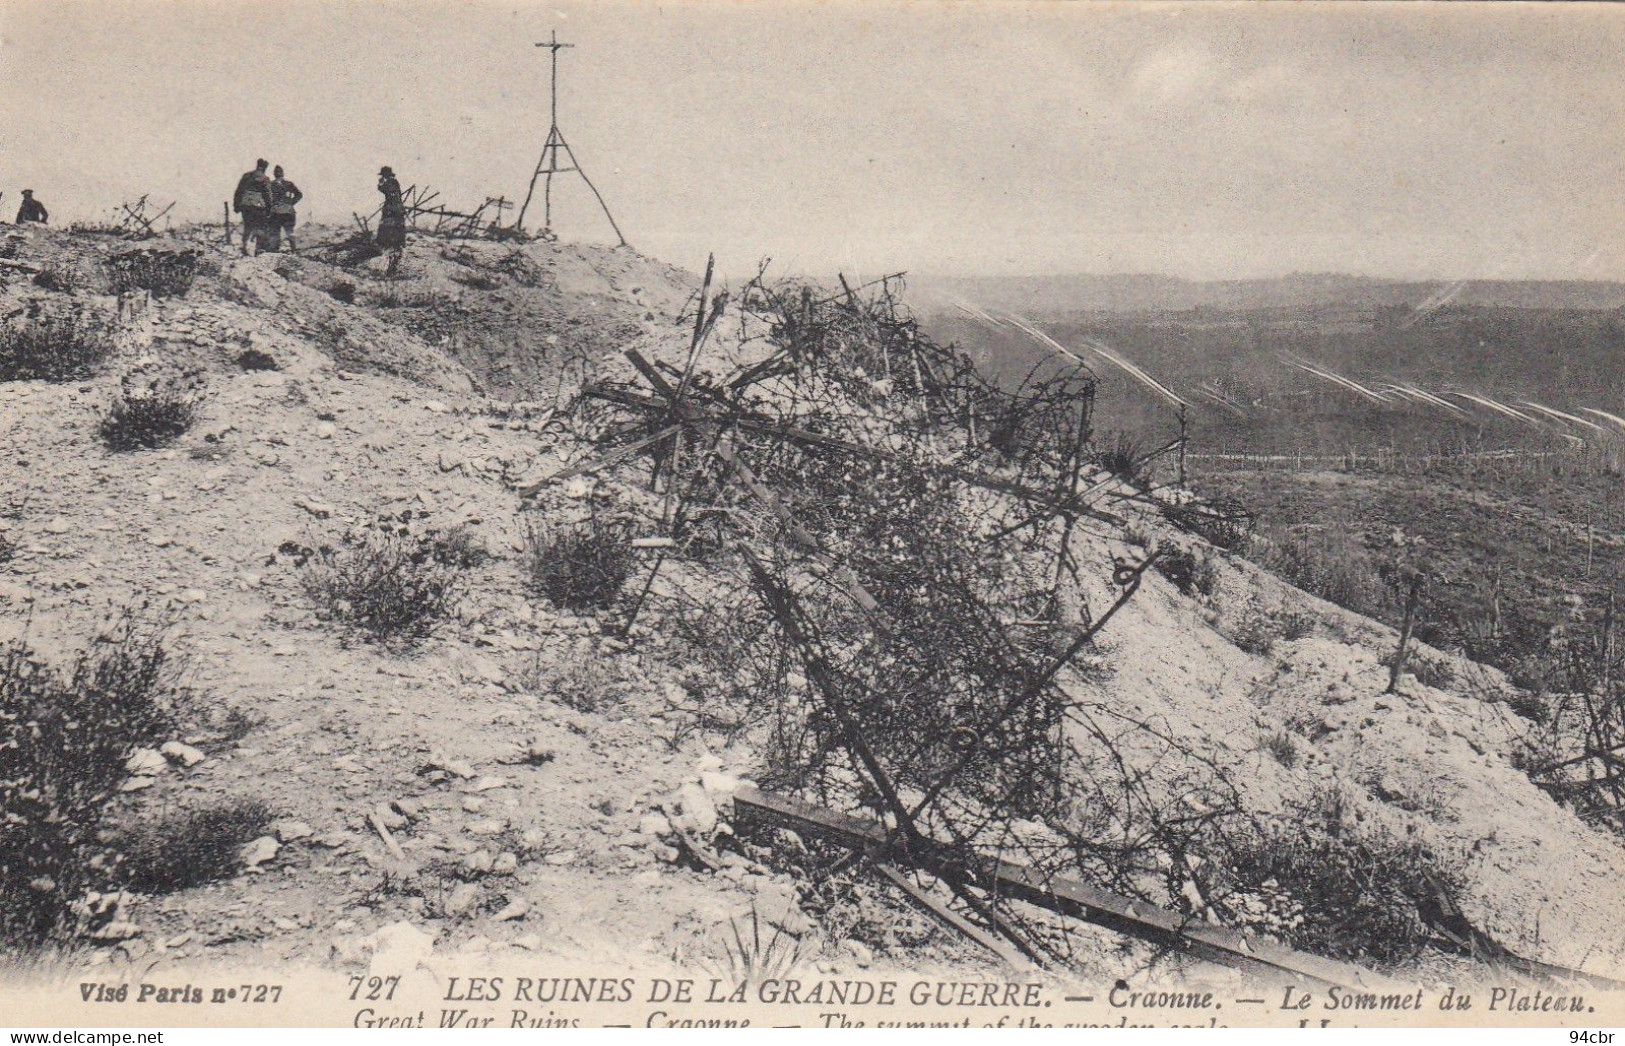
column 467, row 787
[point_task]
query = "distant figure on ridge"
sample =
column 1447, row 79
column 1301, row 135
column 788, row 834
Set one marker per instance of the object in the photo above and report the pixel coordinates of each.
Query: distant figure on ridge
column 31, row 210
column 253, row 202
column 285, row 196
column 392, row 220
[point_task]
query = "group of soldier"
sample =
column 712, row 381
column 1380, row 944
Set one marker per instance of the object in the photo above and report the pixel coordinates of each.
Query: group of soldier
column 268, row 207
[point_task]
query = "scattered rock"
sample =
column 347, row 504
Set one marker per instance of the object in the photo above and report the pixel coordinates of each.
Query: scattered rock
column 58, row 525
column 144, row 762
column 452, row 766
column 291, row 831
column 185, row 755
column 719, row 784
column 505, row 864
column 695, row 811
column 464, row 897
column 260, row 851
column 319, row 509
column 517, row 908
column 117, row 930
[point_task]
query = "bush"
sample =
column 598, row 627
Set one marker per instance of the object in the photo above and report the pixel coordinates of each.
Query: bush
column 1295, row 625
column 390, row 583
column 191, row 847
column 1255, row 635
column 165, row 273
column 254, row 359
column 1315, row 881
column 1429, row 670
column 64, row 740
column 53, row 347
column 1121, row 456
column 1330, row 564
column 153, row 415
column 1284, row 747
column 583, row 682
column 1190, row 573
column 1221, row 522
column 579, row 567
column 61, row 279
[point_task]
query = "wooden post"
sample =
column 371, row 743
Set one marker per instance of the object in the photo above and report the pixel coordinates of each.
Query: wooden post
column 1411, row 599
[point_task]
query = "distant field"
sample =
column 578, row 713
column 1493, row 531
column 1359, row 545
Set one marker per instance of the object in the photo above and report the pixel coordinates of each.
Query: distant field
column 1488, row 538
column 1520, row 512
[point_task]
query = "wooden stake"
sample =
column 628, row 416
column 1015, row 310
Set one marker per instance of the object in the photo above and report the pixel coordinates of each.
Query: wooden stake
column 1411, row 599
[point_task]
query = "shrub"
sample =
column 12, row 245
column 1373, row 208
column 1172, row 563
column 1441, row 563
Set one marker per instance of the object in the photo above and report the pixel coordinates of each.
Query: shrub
column 53, row 347
column 579, row 567
column 64, row 740
column 1331, row 564
column 1295, row 625
column 165, row 273
column 145, row 417
column 191, row 847
column 1284, row 747
column 1221, row 522
column 57, row 278
column 1255, row 635
column 254, row 359
column 390, row 583
column 1190, row 572
column 582, row 681
column 1316, row 881
column 746, row 954
column 1429, row 670
column 1121, row 456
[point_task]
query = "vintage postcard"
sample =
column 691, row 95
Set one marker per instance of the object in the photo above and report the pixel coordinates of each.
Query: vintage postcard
column 791, row 514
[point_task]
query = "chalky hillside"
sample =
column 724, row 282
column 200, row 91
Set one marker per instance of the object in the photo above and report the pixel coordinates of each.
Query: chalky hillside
column 513, row 604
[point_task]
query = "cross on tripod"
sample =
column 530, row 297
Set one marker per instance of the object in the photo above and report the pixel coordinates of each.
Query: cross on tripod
column 550, row 164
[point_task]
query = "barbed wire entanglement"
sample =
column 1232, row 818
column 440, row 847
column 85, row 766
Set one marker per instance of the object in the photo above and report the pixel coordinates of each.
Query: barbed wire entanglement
column 875, row 553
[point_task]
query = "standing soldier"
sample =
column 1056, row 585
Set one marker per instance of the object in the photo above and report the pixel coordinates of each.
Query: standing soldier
column 31, row 210
column 285, row 196
column 253, row 202
column 392, row 220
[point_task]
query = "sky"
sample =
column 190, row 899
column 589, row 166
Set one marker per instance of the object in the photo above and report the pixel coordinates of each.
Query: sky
column 1211, row 141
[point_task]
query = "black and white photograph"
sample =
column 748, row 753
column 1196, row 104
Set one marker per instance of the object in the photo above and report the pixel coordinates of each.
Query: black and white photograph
column 752, row 514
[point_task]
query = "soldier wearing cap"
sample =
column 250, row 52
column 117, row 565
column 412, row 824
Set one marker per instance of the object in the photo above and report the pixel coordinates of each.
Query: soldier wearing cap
column 285, row 197
column 253, row 202
column 31, row 210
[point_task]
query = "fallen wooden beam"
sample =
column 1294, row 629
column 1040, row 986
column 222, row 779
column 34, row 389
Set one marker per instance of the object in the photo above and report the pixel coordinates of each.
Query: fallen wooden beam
column 1103, row 908
column 1064, row 896
column 952, row 919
